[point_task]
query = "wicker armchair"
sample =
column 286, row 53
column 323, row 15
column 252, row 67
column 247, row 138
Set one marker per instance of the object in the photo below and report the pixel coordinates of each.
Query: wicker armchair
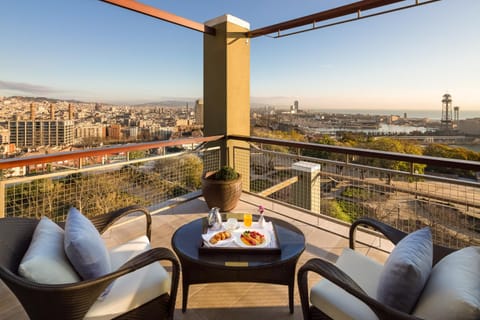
column 339, row 278
column 72, row 301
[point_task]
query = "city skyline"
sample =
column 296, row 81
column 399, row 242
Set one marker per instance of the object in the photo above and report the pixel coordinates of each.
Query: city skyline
column 94, row 51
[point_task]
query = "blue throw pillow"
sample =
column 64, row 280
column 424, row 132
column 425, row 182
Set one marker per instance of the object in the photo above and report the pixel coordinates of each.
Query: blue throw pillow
column 406, row 271
column 84, row 246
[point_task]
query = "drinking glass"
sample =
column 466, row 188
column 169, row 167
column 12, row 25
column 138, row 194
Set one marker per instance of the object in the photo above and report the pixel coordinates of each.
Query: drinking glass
column 247, row 219
column 231, row 224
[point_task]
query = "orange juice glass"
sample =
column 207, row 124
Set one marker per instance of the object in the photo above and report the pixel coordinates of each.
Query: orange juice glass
column 247, row 219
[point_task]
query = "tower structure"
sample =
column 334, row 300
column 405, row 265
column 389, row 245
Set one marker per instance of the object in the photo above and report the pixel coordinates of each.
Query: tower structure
column 294, row 107
column 456, row 114
column 70, row 111
column 32, row 112
column 199, row 111
column 447, row 112
column 52, row 112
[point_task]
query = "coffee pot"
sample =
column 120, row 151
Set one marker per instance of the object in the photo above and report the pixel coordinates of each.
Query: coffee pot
column 214, row 219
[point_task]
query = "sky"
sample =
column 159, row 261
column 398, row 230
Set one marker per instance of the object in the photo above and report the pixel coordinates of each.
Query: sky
column 93, row 51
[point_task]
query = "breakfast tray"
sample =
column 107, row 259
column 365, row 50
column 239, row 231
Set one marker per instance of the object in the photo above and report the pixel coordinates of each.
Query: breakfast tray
column 233, row 248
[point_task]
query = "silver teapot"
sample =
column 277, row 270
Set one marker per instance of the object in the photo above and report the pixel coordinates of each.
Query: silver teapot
column 214, row 219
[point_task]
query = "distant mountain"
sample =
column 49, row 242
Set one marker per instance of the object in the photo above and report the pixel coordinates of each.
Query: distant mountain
column 180, row 102
column 42, row 99
column 168, row 103
column 255, row 102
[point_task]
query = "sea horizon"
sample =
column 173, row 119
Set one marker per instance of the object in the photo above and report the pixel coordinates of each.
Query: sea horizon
column 430, row 114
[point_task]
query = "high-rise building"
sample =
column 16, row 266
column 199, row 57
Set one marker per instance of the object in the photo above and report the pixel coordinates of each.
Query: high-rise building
column 52, row 112
column 456, row 114
column 294, row 107
column 70, row 111
column 35, row 133
column 199, row 111
column 32, row 112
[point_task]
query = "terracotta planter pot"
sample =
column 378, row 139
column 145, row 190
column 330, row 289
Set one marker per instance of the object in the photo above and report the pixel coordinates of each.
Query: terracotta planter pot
column 221, row 194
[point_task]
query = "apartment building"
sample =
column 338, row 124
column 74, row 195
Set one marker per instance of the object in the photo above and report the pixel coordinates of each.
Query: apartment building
column 90, row 131
column 35, row 133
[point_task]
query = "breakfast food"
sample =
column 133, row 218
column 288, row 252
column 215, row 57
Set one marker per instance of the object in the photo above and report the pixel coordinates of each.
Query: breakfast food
column 252, row 238
column 219, row 236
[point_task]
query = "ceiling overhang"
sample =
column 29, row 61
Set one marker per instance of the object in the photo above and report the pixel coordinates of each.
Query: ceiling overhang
column 353, row 8
column 342, row 11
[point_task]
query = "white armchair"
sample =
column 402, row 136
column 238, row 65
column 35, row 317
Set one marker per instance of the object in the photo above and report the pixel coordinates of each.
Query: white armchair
column 138, row 287
column 351, row 287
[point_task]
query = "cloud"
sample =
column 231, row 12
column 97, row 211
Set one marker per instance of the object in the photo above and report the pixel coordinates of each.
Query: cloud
column 26, row 87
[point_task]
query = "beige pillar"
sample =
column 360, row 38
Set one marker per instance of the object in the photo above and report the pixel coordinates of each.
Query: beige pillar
column 226, row 88
column 306, row 192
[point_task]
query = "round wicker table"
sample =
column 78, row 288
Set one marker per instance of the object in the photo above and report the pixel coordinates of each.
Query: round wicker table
column 201, row 266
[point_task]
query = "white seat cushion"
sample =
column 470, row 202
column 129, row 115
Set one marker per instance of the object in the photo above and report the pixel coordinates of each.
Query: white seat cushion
column 339, row 304
column 134, row 289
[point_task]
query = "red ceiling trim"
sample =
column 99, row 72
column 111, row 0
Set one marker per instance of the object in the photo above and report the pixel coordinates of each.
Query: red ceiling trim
column 352, row 8
column 162, row 15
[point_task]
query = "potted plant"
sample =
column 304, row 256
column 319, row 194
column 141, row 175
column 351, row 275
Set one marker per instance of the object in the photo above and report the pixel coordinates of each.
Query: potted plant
column 222, row 188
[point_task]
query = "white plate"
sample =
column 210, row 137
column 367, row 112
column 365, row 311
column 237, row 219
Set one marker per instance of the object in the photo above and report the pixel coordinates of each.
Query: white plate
column 239, row 241
column 220, row 243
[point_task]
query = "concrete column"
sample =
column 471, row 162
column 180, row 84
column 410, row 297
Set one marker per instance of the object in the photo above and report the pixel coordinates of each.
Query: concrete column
column 306, row 192
column 226, row 88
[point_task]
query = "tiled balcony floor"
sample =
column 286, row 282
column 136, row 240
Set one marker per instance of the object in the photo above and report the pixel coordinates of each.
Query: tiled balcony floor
column 232, row 301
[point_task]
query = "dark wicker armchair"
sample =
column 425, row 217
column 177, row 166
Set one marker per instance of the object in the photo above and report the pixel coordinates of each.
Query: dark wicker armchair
column 72, row 301
column 338, row 277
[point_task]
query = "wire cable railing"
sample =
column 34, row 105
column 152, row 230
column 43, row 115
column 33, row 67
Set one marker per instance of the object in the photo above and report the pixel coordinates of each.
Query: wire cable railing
column 102, row 180
column 341, row 183
column 406, row 191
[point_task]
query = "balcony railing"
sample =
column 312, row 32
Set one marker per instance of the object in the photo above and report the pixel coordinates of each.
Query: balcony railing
column 406, row 191
column 100, row 180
